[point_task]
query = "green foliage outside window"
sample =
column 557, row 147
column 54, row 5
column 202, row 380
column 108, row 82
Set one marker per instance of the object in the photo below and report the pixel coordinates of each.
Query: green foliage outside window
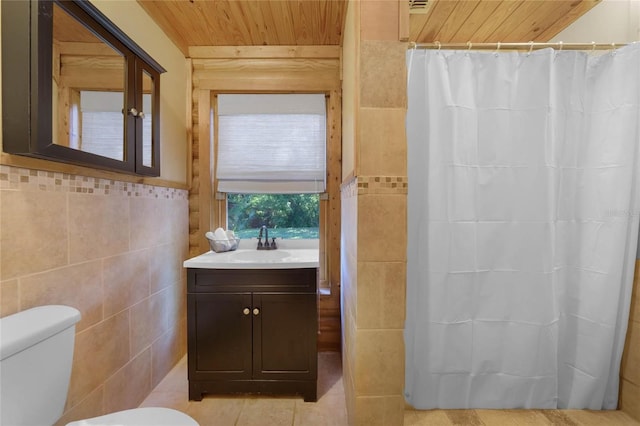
column 286, row 215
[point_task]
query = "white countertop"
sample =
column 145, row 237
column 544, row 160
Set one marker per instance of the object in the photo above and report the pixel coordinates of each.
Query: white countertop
column 288, row 255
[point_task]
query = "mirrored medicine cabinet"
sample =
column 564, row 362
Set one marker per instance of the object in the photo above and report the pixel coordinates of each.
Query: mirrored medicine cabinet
column 77, row 89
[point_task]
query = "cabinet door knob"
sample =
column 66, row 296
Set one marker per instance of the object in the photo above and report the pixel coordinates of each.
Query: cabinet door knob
column 256, row 311
column 133, row 111
column 246, row 311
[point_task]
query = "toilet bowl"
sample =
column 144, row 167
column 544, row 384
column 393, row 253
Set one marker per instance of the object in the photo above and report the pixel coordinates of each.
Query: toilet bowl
column 152, row 416
column 36, row 353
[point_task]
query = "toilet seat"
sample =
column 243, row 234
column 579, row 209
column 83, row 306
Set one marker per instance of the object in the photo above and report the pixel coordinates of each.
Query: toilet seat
column 148, row 416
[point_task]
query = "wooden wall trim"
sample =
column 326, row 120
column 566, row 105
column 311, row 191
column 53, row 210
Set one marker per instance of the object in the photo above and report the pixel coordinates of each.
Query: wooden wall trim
column 189, row 122
column 403, row 20
column 267, row 75
column 204, row 155
column 86, row 49
column 255, row 85
column 264, row 52
column 334, row 166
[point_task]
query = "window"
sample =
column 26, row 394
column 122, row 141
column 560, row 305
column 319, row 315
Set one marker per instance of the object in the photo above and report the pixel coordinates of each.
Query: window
column 289, row 216
column 270, row 164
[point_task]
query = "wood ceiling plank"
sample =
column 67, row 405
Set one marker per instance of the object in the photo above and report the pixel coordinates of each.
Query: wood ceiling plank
column 309, row 15
column 323, row 25
column 481, row 13
column 417, row 21
column 531, row 20
column 326, row 27
column 162, row 13
column 214, row 21
column 301, row 22
column 201, row 24
column 240, row 15
column 500, row 15
column 320, row 22
column 456, row 20
column 436, row 17
column 281, row 21
column 565, row 20
column 338, row 20
column 234, row 28
column 263, row 26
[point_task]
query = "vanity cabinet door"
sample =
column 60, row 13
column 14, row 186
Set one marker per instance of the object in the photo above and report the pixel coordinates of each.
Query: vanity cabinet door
column 284, row 336
column 220, row 336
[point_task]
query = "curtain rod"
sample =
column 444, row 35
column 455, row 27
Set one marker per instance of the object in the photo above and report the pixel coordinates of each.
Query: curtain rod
column 516, row 46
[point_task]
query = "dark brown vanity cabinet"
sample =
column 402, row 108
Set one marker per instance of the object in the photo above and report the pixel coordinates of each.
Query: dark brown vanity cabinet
column 252, row 331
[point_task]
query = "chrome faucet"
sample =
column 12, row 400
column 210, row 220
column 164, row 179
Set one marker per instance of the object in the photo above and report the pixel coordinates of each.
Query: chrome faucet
column 266, row 245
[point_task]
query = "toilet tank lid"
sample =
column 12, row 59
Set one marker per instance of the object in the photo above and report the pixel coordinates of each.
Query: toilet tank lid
column 26, row 328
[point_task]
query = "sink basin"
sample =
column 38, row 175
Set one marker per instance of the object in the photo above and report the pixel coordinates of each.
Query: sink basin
column 259, row 255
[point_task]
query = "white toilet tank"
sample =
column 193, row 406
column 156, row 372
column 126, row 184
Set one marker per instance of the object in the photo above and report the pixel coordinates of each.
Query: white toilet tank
column 36, row 353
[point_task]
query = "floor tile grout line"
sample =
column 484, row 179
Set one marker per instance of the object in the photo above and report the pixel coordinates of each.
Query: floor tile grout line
column 244, row 402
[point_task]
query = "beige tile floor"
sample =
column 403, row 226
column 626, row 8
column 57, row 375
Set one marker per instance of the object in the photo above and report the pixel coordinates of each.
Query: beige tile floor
column 330, row 409
column 516, row 418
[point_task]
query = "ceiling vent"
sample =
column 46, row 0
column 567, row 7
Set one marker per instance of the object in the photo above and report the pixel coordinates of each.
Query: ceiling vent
column 419, row 6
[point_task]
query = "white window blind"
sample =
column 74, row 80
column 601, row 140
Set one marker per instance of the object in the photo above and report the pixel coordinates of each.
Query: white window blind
column 101, row 123
column 271, row 143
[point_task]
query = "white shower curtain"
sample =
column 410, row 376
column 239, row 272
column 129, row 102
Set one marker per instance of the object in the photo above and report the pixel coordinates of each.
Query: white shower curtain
column 523, row 213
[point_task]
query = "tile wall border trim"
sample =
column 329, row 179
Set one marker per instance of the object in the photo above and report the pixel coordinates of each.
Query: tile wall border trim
column 382, row 185
column 18, row 178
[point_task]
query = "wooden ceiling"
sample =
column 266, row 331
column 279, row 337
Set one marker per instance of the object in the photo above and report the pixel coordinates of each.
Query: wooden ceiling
column 492, row 21
column 249, row 22
column 320, row 22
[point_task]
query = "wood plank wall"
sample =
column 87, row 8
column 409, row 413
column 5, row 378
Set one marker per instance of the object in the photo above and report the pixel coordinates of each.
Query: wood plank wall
column 269, row 69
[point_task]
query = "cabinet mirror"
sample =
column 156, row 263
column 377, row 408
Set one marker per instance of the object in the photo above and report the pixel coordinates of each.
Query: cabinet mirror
column 86, row 93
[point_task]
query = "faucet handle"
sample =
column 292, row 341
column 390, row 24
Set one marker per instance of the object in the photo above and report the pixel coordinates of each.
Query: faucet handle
column 260, row 242
column 273, row 243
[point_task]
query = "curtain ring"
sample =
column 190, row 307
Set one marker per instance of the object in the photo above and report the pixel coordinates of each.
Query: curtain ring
column 560, row 44
column 497, row 49
column 530, row 47
column 413, row 45
column 438, row 44
column 593, row 46
column 469, row 45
